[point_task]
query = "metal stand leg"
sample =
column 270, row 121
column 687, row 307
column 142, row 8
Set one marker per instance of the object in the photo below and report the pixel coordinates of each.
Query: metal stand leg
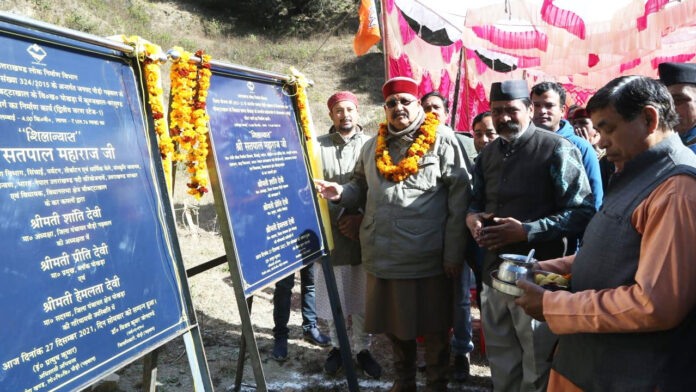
column 242, row 354
column 150, row 371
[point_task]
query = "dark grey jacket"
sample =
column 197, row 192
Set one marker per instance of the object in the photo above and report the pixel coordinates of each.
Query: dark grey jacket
column 609, row 259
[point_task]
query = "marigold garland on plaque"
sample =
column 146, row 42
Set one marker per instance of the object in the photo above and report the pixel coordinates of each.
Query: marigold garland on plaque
column 151, row 58
column 188, row 120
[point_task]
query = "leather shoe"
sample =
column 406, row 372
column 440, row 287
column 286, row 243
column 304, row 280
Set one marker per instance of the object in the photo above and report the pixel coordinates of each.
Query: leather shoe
column 314, row 336
column 460, row 371
column 280, row 350
column 368, row 364
column 334, row 362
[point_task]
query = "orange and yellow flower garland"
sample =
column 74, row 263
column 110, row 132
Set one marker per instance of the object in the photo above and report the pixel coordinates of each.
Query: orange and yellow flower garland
column 188, row 120
column 196, row 160
column 151, row 57
column 301, row 98
column 409, row 164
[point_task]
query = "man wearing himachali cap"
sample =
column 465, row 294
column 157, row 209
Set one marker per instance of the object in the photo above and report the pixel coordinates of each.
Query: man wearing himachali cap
column 628, row 322
column 529, row 191
column 339, row 150
column 413, row 180
column 680, row 79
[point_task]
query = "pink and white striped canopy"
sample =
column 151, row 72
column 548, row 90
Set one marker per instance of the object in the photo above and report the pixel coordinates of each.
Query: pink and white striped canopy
column 581, row 44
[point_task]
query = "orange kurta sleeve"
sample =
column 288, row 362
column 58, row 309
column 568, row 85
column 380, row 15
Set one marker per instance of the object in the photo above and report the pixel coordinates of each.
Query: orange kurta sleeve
column 560, row 266
column 665, row 288
column 558, row 383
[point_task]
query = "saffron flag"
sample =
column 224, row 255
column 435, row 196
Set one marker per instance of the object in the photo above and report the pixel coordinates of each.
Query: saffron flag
column 368, row 32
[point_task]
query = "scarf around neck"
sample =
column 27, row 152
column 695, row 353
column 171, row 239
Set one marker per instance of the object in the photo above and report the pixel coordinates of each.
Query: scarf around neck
column 407, row 133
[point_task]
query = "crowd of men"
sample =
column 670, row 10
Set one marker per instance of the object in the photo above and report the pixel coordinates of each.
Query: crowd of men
column 604, row 194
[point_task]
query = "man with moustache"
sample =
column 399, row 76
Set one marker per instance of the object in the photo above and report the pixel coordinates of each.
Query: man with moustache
column 339, row 150
column 680, row 79
column 629, row 320
column 413, row 180
column 530, row 191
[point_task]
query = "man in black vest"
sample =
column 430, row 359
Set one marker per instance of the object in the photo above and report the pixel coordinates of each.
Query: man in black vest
column 529, row 191
column 629, row 322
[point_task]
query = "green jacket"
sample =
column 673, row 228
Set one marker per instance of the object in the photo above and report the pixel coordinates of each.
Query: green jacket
column 338, row 158
column 414, row 227
column 467, row 145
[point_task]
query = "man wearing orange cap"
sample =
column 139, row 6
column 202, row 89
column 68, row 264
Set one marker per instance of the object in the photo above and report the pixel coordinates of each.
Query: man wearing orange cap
column 339, row 150
column 413, row 181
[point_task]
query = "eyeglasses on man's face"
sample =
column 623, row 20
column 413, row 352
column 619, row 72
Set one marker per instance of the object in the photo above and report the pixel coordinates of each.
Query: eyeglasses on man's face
column 391, row 104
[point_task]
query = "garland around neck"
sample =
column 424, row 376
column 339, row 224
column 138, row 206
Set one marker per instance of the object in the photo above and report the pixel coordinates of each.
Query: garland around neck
column 409, row 164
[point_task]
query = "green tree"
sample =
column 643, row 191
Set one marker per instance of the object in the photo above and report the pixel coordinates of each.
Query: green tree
column 297, row 17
